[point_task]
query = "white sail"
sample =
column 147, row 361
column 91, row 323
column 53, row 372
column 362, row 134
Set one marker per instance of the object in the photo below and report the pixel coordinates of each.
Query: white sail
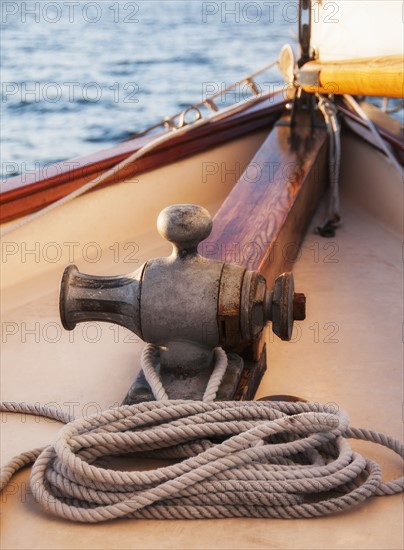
column 354, row 29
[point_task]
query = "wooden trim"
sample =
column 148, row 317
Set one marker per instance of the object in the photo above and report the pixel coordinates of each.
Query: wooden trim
column 24, row 194
column 262, row 222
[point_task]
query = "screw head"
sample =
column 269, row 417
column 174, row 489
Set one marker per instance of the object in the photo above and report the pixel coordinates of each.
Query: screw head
column 299, row 306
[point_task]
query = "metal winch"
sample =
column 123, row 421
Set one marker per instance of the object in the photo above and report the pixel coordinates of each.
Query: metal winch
column 187, row 305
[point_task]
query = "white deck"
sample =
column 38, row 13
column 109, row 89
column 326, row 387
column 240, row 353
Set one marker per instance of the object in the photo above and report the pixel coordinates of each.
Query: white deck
column 347, row 352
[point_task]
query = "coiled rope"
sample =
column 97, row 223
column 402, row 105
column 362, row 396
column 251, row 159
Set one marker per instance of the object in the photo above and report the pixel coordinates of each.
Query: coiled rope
column 237, row 459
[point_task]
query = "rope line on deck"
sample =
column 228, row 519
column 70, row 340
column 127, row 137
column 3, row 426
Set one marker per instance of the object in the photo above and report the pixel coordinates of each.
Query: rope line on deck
column 238, row 459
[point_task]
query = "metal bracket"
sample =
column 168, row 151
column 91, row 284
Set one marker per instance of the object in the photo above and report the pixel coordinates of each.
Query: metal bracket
column 186, row 305
column 304, row 101
column 304, row 32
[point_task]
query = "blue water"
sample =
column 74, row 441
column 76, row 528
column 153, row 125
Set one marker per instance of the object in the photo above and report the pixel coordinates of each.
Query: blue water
column 77, row 79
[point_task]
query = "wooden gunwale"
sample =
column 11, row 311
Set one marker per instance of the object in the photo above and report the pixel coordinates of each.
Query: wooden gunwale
column 291, row 175
column 270, row 213
column 26, row 193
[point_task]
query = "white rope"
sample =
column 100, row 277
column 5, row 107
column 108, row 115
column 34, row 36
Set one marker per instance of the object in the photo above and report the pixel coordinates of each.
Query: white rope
column 152, row 378
column 156, row 385
column 238, row 459
column 219, row 370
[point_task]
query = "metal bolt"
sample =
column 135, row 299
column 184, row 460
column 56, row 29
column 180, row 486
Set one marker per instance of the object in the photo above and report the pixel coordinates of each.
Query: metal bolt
column 284, row 305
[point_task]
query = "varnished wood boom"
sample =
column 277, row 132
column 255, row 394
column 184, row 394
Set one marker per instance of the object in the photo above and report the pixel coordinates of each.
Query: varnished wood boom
column 377, row 76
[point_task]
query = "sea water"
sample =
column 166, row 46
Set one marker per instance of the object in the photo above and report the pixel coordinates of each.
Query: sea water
column 78, row 77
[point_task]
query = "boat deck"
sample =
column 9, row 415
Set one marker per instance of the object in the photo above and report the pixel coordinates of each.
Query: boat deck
column 347, row 352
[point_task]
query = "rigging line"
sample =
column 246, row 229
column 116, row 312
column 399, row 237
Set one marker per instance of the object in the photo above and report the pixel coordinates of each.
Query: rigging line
column 99, row 179
column 208, row 102
column 358, row 109
column 329, row 112
column 116, row 168
column 96, row 181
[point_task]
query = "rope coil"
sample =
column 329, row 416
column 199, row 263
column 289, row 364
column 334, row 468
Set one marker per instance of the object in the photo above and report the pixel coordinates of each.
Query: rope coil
column 238, row 459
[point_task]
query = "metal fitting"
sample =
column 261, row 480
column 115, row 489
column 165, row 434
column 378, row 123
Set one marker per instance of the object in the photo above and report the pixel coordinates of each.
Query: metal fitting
column 184, row 303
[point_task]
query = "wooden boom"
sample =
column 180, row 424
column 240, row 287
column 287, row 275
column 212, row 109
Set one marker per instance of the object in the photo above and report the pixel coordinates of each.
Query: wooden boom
column 377, row 76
